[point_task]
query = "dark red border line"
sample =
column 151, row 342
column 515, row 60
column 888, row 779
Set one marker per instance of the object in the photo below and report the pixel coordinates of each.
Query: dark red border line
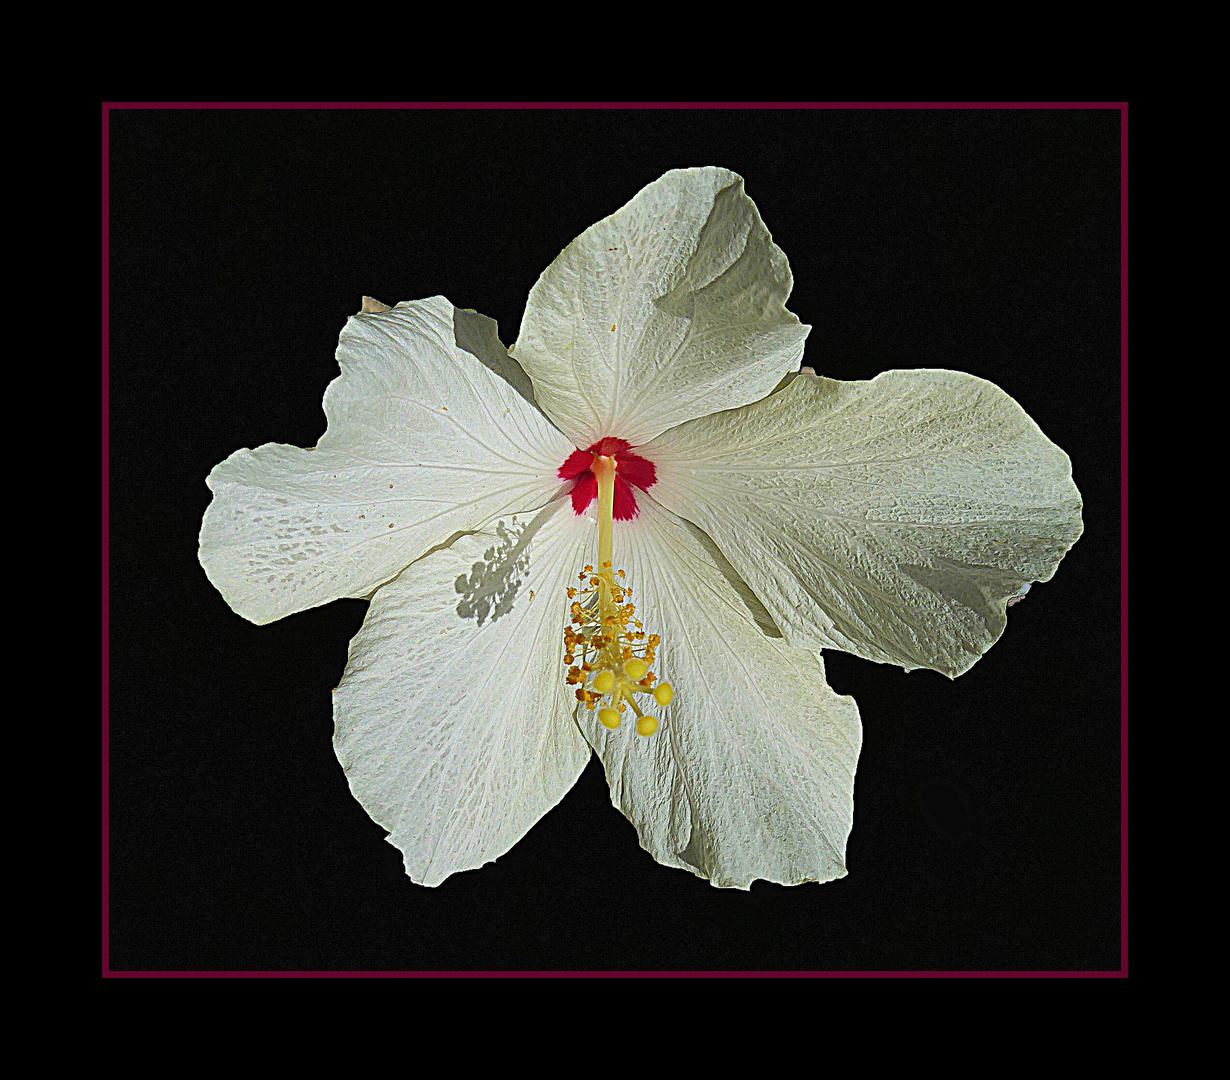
column 1122, row 106
column 106, row 540
column 1123, row 538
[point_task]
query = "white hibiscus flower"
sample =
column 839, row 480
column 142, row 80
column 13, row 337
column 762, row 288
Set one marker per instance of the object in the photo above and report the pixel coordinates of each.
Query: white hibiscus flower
column 653, row 445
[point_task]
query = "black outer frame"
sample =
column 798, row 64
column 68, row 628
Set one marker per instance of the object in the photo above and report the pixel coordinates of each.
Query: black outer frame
column 986, row 809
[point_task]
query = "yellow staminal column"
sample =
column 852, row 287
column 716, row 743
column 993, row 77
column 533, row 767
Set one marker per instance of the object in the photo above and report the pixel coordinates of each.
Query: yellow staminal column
column 604, row 469
column 604, row 472
column 614, row 651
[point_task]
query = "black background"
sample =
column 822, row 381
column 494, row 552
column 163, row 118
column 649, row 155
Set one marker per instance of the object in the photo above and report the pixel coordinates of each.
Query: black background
column 986, row 828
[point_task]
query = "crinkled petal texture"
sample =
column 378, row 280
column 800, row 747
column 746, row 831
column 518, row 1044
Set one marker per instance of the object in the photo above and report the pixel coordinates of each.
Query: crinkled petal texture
column 892, row 519
column 671, row 308
column 751, row 773
column 452, row 722
column 429, row 435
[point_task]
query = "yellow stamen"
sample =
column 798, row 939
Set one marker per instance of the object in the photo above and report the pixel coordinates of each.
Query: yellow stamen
column 604, row 634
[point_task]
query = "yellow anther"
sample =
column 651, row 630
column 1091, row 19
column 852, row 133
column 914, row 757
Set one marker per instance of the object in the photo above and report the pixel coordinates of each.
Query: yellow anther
column 646, row 725
column 635, row 669
column 663, row 692
column 609, row 718
column 603, row 681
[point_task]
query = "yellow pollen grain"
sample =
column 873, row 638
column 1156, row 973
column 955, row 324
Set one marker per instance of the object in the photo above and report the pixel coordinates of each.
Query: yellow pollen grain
column 608, row 718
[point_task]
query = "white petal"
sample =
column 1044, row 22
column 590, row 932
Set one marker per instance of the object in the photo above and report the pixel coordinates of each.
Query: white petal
column 892, row 518
column 751, row 773
column 672, row 307
column 425, row 439
column 453, row 723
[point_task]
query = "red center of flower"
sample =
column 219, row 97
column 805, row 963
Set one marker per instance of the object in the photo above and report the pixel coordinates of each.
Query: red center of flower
column 630, row 470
